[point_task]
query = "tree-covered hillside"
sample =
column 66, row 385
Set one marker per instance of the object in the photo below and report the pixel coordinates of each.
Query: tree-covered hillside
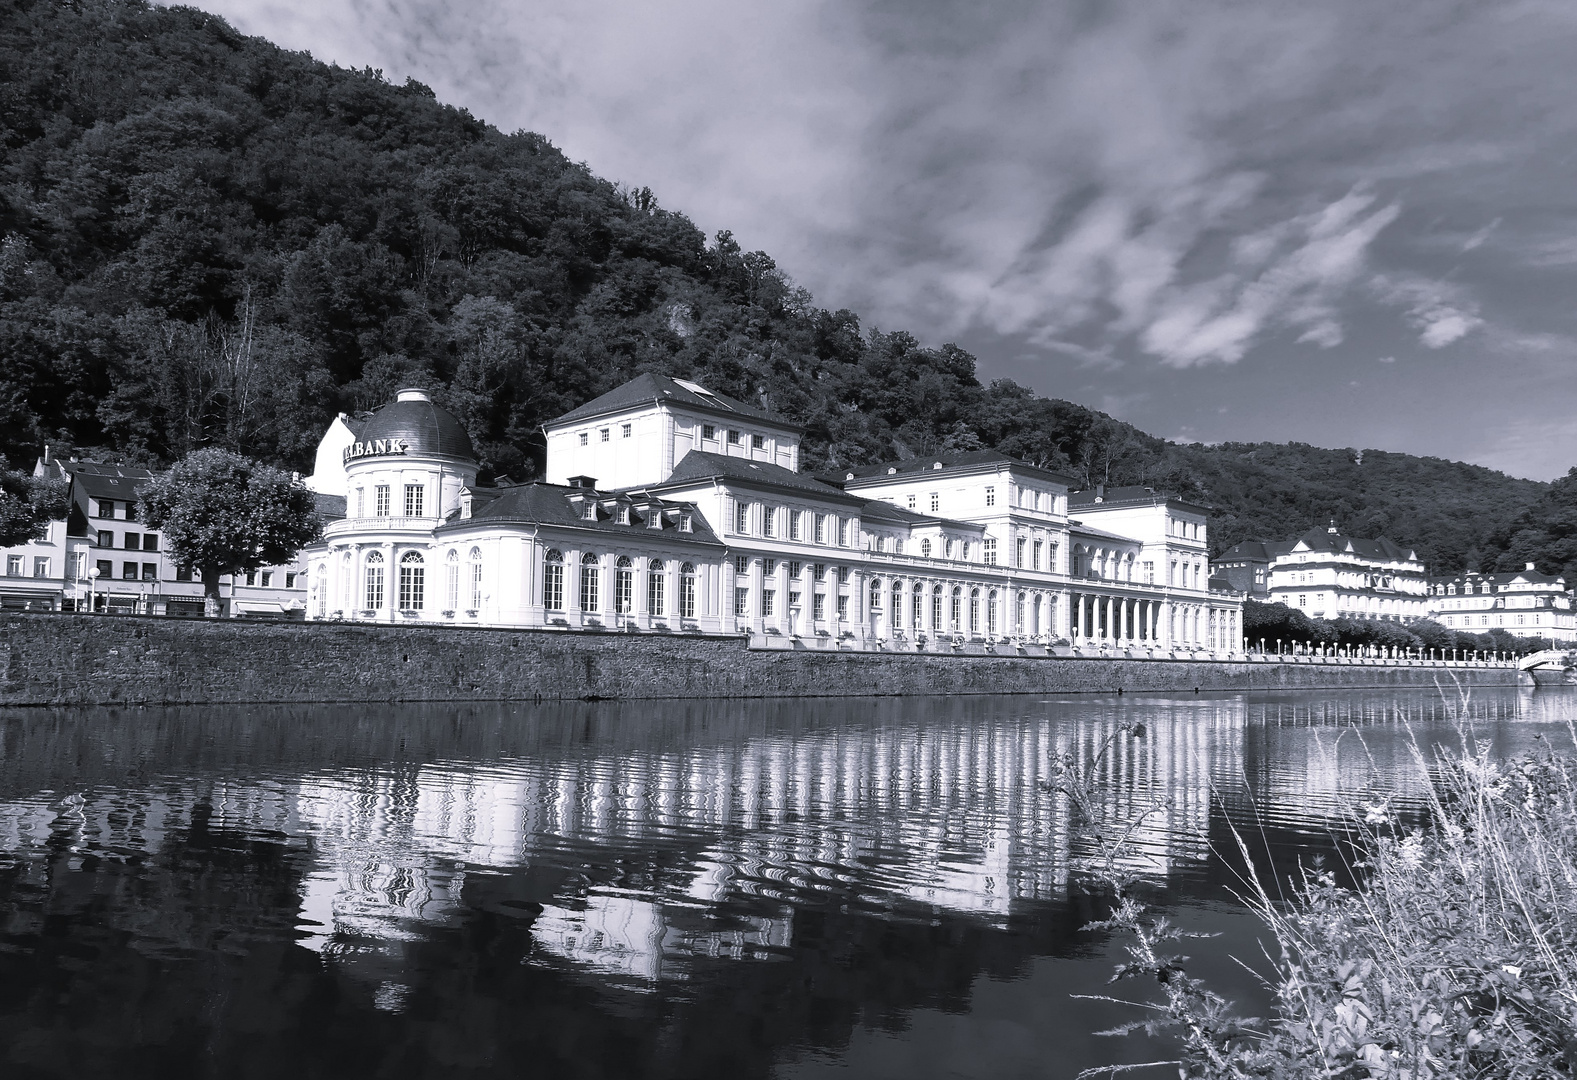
column 210, row 241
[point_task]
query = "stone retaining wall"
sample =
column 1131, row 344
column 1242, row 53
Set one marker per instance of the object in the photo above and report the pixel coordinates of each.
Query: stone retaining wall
column 50, row 659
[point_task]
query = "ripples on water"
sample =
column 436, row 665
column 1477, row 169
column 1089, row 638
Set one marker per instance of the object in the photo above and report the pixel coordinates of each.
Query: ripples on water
column 675, row 889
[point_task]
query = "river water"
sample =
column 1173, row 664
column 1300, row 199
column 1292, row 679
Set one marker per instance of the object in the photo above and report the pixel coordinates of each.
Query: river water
column 813, row 889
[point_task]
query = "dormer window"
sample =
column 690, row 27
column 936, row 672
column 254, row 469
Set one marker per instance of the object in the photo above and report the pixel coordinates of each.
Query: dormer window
column 684, row 523
column 622, row 514
column 589, row 511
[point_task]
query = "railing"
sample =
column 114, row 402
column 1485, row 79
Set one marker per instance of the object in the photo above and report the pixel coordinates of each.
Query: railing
column 356, row 524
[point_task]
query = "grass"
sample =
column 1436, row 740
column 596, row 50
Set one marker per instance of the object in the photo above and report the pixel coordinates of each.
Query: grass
column 1455, row 957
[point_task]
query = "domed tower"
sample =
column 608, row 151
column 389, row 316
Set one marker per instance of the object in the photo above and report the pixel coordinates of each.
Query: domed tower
column 410, row 460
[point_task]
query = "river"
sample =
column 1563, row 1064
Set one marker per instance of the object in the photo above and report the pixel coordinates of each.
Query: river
column 828, row 888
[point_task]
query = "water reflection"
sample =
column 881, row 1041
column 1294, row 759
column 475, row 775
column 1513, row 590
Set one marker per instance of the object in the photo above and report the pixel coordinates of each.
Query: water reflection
column 737, row 857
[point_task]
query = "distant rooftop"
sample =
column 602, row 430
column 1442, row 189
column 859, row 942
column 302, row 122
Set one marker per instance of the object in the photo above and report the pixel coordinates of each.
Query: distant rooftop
column 946, row 461
column 651, row 387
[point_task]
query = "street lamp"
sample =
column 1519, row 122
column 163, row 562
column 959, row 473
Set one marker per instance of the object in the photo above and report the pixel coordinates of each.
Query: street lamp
column 93, row 578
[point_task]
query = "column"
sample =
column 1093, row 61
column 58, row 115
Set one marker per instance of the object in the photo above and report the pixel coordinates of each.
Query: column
column 758, row 621
column 391, row 583
column 858, row 622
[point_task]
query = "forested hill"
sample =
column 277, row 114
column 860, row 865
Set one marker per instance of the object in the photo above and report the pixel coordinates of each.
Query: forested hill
column 208, row 240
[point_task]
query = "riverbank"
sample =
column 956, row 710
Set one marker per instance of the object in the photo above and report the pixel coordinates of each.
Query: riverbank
column 97, row 660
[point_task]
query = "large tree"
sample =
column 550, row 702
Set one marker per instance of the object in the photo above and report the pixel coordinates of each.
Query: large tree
column 222, row 513
column 27, row 505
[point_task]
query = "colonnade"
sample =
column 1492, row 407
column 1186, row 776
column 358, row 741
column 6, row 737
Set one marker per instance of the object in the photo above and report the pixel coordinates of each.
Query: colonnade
column 1155, row 622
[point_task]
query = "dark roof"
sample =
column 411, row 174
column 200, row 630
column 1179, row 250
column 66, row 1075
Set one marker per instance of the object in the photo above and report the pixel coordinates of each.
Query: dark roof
column 1256, row 551
column 702, row 465
column 1532, row 577
column 551, row 504
column 329, row 507
column 1219, row 583
column 1128, row 495
column 881, row 510
column 644, row 389
column 425, row 427
column 1336, row 543
column 107, row 481
column 966, row 460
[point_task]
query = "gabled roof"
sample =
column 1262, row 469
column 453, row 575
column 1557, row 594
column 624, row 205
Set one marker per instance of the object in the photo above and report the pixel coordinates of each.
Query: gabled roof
column 879, row 510
column 107, row 481
column 1129, row 495
column 652, row 387
column 701, row 465
column 1256, row 551
column 951, row 462
column 329, row 507
column 1335, row 543
column 1501, row 580
column 551, row 504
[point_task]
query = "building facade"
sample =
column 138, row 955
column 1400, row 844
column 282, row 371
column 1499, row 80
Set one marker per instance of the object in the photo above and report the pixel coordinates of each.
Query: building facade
column 1525, row 603
column 101, row 558
column 668, row 508
column 1327, row 575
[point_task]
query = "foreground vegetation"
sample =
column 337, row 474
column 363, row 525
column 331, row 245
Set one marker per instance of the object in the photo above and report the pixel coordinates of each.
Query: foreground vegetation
column 1457, row 956
column 206, row 240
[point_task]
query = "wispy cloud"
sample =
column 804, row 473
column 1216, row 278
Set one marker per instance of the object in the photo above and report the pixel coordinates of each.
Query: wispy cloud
column 1440, row 311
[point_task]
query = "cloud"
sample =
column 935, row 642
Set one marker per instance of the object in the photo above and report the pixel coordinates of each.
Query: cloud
column 1441, row 312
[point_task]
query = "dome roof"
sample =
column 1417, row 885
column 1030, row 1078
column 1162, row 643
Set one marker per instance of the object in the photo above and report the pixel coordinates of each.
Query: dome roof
column 423, row 427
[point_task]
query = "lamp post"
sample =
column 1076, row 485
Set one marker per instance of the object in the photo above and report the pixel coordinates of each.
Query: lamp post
column 93, row 579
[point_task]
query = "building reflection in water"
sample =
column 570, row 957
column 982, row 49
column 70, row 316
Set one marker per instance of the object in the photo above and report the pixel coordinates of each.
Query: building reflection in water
column 633, row 861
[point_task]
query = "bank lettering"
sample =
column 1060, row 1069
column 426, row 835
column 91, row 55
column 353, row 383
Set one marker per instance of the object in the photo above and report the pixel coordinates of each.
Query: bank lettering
column 375, row 448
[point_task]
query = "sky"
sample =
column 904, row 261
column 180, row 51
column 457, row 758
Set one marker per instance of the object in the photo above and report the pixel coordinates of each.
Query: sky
column 1346, row 223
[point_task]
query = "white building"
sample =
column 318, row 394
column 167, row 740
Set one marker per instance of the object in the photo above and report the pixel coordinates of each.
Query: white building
column 1327, row 575
column 669, row 508
column 1525, row 603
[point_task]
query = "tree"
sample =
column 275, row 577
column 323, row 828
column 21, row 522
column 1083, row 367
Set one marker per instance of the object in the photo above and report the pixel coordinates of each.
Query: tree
column 222, row 513
column 28, row 504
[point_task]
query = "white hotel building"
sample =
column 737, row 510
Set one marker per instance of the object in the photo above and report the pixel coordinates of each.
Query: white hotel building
column 668, row 508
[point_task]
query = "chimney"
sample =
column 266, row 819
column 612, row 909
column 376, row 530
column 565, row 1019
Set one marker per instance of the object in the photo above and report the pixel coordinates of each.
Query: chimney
column 1332, row 529
column 1528, row 567
column 46, row 453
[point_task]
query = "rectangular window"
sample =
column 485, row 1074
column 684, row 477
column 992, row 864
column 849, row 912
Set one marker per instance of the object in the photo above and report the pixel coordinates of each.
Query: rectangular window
column 818, row 607
column 843, row 532
column 588, row 587
column 626, row 431
column 741, row 602
column 552, row 587
column 793, row 600
column 150, row 542
column 290, row 581
column 1303, row 600
column 1020, row 546
column 150, row 571
column 106, row 538
column 843, row 575
column 821, row 528
column 380, row 499
column 413, row 586
column 936, row 501
column 684, row 523
column 128, row 571
column 251, row 577
column 769, row 521
column 768, row 597
column 79, row 565
column 769, row 567
column 603, row 434
column 268, row 579
column 655, row 584
column 105, row 568
column 414, row 497
column 1038, row 545
column 13, row 566
column 708, row 431
column 374, row 595
column 733, row 438
column 1149, row 573
column 843, row 609
column 361, row 502
column 105, row 508
column 131, row 511
column 988, row 551
column 991, row 495
column 758, row 442
column 741, row 517
column 133, row 541
column 793, row 523
column 585, row 438
column 909, row 501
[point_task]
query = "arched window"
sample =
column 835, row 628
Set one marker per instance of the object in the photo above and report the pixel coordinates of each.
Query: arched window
column 687, row 591
column 656, row 584
column 413, row 581
column 917, row 606
column 589, row 596
column 322, row 590
column 936, row 609
column 553, row 581
column 925, row 549
column 476, row 580
column 624, row 586
column 958, row 608
column 1018, row 614
column 452, row 580
column 876, row 592
column 374, row 594
column 974, row 611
